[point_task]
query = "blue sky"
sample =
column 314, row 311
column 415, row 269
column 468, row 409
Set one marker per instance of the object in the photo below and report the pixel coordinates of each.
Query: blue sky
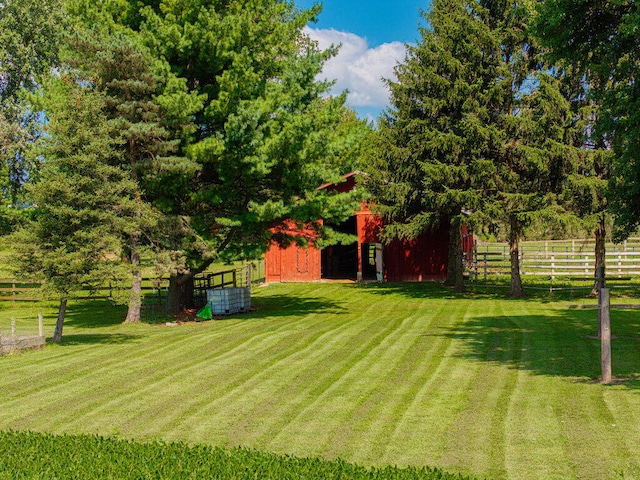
column 373, row 34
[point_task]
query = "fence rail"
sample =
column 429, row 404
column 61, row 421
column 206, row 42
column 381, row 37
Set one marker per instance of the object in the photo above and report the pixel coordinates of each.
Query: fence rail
column 557, row 259
column 154, row 289
column 22, row 335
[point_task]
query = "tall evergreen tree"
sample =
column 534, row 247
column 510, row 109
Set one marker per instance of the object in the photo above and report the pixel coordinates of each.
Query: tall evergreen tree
column 266, row 136
column 602, row 38
column 479, row 125
column 435, row 145
column 142, row 104
column 81, row 201
column 537, row 150
column 586, row 193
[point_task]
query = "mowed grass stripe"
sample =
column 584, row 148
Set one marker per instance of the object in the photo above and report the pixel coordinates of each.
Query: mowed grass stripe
column 413, row 376
column 317, row 372
column 250, row 378
column 123, row 364
column 602, row 430
column 170, row 391
column 181, row 380
column 422, row 431
column 354, row 385
column 475, row 441
column 626, row 413
column 379, row 374
column 296, row 381
column 536, row 440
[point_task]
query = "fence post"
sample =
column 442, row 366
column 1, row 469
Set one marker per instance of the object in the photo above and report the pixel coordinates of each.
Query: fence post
column 40, row 325
column 13, row 292
column 553, row 266
column 485, row 267
column 619, row 266
column 606, row 336
column 586, row 265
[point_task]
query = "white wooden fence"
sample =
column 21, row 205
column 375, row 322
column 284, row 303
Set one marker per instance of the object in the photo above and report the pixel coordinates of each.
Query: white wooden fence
column 566, row 258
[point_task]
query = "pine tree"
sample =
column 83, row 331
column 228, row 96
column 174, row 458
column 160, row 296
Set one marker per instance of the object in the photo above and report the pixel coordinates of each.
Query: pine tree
column 149, row 133
column 81, row 201
column 266, row 137
column 586, row 192
column 537, row 152
column 479, row 124
column 602, row 39
column 435, row 145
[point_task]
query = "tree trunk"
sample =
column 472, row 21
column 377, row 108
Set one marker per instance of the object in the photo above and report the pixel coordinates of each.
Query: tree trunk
column 600, row 253
column 514, row 254
column 135, row 295
column 57, row 332
column 180, row 293
column 455, row 267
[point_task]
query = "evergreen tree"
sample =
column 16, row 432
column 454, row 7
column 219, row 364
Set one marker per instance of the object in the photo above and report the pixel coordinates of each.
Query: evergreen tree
column 142, row 106
column 537, row 152
column 586, row 193
column 479, row 125
column 434, row 155
column 602, row 38
column 267, row 135
column 81, row 200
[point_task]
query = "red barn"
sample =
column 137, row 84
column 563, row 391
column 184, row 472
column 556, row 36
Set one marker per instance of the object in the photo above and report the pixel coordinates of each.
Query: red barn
column 424, row 258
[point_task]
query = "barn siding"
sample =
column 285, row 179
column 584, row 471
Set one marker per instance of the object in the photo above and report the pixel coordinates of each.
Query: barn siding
column 422, row 259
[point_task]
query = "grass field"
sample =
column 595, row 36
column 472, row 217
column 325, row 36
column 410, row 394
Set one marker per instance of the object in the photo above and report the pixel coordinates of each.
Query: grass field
column 377, row 374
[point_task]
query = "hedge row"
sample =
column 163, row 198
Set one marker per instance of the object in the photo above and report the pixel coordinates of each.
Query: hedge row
column 29, row 455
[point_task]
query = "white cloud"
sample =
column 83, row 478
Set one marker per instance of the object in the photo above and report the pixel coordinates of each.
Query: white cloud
column 359, row 68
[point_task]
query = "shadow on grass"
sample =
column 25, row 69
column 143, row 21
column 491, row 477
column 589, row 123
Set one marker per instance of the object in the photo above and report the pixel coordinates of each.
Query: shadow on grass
column 535, row 291
column 288, row 305
column 559, row 345
column 436, row 290
column 94, row 313
column 97, row 338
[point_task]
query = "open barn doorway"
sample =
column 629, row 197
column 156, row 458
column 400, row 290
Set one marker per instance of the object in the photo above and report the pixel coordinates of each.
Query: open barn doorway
column 371, row 255
column 340, row 262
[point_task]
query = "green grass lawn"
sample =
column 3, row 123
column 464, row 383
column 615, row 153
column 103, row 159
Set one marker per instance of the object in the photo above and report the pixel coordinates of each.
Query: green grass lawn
column 406, row 375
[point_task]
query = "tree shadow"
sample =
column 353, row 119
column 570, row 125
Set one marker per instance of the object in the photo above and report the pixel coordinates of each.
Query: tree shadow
column 479, row 290
column 418, row 290
column 97, row 338
column 288, row 305
column 563, row 344
column 94, row 313
column 435, row 290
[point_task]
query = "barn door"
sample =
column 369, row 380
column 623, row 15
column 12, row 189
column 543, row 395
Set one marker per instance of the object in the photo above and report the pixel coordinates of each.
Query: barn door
column 273, row 264
column 379, row 263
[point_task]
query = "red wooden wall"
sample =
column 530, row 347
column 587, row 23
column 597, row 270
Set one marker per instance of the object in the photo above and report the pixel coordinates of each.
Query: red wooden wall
column 422, row 259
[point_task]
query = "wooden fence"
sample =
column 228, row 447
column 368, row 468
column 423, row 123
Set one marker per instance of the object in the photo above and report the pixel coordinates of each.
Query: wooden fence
column 573, row 258
column 17, row 339
column 154, row 289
